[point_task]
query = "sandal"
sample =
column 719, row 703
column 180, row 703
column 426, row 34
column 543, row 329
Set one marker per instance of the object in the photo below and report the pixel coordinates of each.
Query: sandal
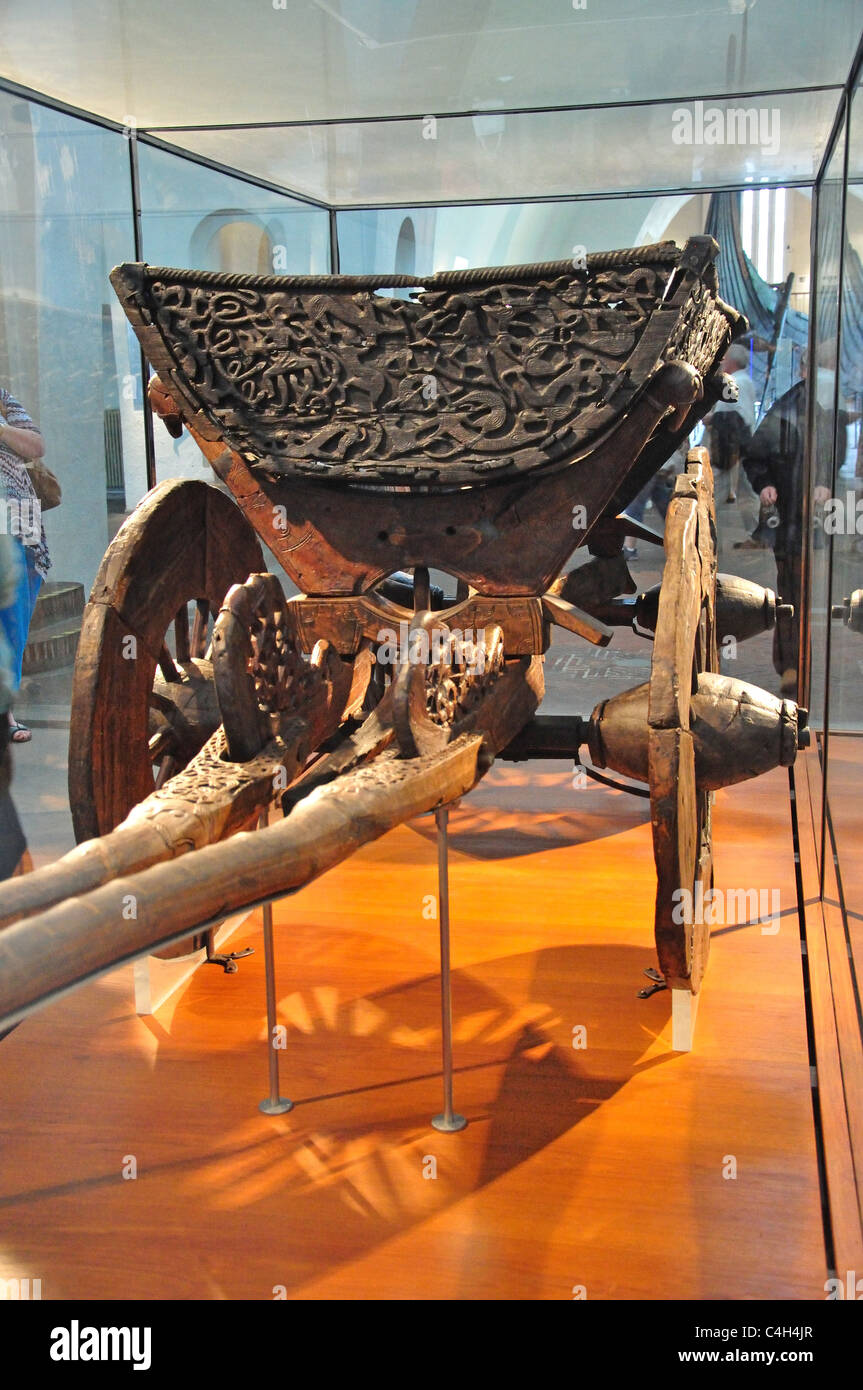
column 19, row 733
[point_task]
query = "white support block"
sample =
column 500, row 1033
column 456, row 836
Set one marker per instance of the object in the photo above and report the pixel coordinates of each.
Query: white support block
column 684, row 1008
column 156, row 980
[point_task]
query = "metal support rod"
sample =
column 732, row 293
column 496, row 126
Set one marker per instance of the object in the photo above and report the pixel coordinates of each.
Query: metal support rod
column 335, row 259
column 449, row 1122
column 275, row 1104
column 138, row 244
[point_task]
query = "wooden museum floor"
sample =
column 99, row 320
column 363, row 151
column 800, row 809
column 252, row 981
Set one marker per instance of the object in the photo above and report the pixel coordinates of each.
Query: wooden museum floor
column 620, row 1167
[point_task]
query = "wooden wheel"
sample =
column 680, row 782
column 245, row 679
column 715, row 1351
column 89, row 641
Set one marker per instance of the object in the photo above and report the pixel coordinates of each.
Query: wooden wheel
column 141, row 710
column 685, row 645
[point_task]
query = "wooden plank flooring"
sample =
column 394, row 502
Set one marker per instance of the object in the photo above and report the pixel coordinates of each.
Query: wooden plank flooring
column 836, row 1018
column 846, row 807
column 600, row 1167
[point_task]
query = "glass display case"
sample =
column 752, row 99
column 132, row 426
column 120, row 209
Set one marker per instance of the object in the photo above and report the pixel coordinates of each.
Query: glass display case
column 485, row 162
column 414, row 139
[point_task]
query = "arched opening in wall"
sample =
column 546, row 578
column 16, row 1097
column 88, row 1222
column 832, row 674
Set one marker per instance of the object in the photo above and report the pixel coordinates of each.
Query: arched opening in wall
column 406, row 257
column 774, row 233
column 234, row 241
column 406, row 249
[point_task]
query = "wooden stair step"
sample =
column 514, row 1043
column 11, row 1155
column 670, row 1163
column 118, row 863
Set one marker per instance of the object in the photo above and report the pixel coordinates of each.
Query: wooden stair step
column 52, row 646
column 56, row 600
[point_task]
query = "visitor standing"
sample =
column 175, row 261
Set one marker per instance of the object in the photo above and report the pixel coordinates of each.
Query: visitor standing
column 21, row 443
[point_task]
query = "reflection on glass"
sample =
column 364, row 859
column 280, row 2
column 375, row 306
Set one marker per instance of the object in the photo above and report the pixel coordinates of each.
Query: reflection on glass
column 844, row 521
column 356, row 57
column 825, row 424
column 65, row 354
column 501, row 154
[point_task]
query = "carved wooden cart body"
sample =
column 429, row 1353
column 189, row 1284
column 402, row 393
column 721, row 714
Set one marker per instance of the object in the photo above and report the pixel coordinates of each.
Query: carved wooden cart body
column 487, row 425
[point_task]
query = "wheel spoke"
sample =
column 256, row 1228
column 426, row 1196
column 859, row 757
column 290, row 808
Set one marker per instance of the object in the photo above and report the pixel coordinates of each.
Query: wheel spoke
column 199, row 631
column 160, row 743
column 181, row 634
column 168, row 666
column 167, row 767
column 161, row 703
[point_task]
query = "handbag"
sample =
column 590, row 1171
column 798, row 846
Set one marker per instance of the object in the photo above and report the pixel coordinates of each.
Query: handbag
column 45, row 484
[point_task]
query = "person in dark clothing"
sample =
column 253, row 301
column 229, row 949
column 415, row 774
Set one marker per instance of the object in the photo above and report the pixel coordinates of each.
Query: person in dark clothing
column 731, row 423
column 774, row 464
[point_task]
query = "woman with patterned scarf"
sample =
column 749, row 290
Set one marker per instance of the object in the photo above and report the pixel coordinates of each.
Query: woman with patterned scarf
column 20, row 441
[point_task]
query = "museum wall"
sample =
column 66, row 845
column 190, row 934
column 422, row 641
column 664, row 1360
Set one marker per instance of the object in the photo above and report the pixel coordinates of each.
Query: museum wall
column 513, row 233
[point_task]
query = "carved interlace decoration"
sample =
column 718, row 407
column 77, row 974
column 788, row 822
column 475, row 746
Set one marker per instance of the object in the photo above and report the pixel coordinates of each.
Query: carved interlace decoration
column 456, row 684
column 282, row 679
column 261, row 676
column 453, row 385
column 434, row 699
column 210, row 780
column 387, row 770
column 191, row 809
column 701, row 333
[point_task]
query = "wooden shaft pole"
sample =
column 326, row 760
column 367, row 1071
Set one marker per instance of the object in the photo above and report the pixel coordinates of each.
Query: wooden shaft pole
column 45, row 955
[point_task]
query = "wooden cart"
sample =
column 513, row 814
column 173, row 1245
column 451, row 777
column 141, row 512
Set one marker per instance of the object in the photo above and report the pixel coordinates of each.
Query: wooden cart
column 483, row 422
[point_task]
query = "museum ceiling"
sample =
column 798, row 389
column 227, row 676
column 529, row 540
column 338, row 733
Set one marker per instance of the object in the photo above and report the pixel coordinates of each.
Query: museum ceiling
column 214, row 63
